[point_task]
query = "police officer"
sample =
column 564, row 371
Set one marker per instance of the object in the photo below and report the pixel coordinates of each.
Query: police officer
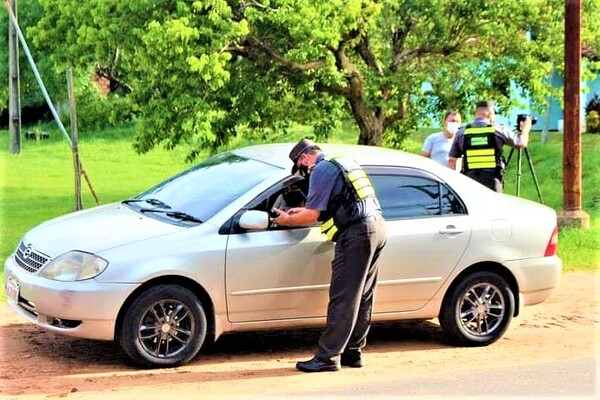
column 341, row 196
column 480, row 146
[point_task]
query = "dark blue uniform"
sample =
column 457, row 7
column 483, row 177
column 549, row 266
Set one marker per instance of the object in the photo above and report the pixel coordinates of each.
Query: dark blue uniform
column 492, row 178
column 359, row 243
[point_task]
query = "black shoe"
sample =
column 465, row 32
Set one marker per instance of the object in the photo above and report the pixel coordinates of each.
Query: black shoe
column 352, row 359
column 316, row 365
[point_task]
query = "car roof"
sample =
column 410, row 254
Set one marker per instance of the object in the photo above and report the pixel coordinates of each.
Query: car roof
column 277, row 154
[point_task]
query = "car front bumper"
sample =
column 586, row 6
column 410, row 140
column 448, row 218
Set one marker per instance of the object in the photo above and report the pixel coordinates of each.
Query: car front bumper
column 86, row 309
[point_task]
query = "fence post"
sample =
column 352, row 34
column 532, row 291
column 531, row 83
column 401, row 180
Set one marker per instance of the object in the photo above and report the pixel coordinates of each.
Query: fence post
column 74, row 140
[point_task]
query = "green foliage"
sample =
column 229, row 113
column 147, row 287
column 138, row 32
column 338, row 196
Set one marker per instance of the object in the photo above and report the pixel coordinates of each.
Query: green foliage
column 96, row 110
column 203, row 73
column 29, row 13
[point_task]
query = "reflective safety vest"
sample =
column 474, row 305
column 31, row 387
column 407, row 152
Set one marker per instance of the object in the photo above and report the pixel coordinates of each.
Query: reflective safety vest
column 357, row 178
column 480, row 148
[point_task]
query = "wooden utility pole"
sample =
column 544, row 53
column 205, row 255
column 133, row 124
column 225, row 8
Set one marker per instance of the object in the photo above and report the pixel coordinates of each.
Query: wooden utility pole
column 14, row 103
column 572, row 215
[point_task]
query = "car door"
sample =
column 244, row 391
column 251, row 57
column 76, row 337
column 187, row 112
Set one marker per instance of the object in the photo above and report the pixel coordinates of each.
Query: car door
column 278, row 273
column 428, row 230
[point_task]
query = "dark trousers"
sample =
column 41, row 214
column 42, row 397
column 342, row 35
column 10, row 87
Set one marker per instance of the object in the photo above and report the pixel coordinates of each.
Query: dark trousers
column 487, row 178
column 353, row 278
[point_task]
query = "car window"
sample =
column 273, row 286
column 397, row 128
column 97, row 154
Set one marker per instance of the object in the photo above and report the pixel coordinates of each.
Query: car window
column 289, row 193
column 411, row 196
column 451, row 204
column 207, row 188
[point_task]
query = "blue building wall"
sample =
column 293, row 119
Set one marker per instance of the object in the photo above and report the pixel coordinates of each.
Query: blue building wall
column 552, row 118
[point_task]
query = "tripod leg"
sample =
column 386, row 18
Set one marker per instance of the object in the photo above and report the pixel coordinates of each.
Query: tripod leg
column 512, row 150
column 537, row 185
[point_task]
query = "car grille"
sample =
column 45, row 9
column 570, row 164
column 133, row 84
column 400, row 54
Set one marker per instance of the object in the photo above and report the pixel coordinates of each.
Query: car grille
column 29, row 259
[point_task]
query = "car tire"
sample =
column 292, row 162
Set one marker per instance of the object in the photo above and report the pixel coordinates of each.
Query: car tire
column 478, row 310
column 165, row 326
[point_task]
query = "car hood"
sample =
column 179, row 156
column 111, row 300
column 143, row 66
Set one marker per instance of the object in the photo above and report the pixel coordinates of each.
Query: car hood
column 95, row 230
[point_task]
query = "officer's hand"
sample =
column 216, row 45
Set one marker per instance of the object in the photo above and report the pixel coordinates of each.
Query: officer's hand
column 281, row 217
column 526, row 123
column 295, row 210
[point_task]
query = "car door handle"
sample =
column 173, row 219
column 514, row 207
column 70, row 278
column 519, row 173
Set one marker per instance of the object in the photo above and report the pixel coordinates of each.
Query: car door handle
column 451, row 230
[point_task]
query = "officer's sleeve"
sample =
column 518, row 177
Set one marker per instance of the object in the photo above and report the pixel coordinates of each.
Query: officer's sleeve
column 455, row 150
column 322, row 180
column 508, row 136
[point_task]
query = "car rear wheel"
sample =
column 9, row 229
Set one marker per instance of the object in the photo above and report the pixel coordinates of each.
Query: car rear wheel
column 165, row 326
column 478, row 310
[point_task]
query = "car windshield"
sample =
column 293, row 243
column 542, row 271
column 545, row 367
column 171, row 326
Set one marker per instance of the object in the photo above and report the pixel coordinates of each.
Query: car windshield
column 208, row 187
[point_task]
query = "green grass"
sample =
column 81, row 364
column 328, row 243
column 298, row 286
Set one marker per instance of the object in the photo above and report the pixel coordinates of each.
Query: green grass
column 37, row 184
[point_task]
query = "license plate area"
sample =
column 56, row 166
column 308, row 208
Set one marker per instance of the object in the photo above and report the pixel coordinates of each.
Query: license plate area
column 12, row 289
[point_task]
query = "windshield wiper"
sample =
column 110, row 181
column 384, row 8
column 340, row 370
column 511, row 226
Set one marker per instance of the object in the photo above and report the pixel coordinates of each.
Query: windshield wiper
column 154, row 202
column 175, row 214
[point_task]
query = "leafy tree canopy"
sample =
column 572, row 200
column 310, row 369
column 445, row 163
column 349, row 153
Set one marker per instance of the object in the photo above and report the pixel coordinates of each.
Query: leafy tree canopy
column 29, row 13
column 201, row 72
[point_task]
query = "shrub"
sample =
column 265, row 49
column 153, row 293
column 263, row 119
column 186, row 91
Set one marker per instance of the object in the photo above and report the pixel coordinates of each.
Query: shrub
column 98, row 111
column 593, row 105
column 592, row 115
column 592, row 121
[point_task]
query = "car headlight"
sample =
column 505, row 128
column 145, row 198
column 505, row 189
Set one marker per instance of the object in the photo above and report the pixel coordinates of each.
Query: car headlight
column 74, row 266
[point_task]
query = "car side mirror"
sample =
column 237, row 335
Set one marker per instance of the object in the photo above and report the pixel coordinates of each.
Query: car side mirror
column 254, row 220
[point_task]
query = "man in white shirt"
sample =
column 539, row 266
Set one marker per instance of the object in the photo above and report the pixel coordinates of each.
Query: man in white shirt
column 437, row 145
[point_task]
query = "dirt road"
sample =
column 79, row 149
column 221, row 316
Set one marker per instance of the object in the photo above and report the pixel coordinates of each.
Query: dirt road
column 36, row 365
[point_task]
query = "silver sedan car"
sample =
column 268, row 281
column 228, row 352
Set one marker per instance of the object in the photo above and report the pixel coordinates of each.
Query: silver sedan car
column 198, row 256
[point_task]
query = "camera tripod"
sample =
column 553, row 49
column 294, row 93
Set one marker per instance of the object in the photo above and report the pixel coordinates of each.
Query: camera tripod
column 520, row 170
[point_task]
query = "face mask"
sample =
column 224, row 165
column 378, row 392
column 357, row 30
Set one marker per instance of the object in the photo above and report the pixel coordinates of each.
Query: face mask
column 452, row 127
column 303, row 171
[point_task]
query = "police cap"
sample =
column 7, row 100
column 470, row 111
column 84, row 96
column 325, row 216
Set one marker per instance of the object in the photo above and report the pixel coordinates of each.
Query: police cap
column 300, row 148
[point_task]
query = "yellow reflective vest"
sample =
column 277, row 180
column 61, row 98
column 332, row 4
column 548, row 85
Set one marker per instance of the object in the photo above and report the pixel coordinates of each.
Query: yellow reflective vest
column 358, row 180
column 480, row 148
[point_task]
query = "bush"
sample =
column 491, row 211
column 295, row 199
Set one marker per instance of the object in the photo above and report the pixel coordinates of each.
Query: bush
column 97, row 111
column 592, row 115
column 592, row 121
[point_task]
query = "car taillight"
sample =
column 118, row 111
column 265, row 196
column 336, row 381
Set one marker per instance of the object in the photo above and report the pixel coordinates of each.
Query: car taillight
column 552, row 244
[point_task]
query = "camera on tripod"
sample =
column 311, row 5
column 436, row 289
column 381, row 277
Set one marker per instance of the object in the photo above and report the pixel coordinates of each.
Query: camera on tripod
column 523, row 117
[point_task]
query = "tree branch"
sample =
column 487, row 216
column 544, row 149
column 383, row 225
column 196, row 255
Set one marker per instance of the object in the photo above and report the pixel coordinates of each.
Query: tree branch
column 334, row 89
column 396, row 116
column 237, row 49
column 291, row 65
column 256, row 4
column 398, row 39
column 364, row 50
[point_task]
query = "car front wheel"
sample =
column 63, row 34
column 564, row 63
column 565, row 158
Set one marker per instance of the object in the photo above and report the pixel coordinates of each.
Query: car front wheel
column 478, row 310
column 165, row 326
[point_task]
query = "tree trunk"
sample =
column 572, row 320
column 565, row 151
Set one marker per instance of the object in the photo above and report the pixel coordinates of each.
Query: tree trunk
column 370, row 126
column 371, row 134
column 370, row 122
